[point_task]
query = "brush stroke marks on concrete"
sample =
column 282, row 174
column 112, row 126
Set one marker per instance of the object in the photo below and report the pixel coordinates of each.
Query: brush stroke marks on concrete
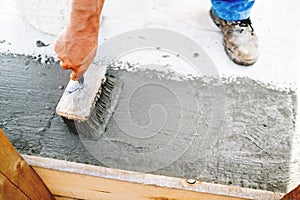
column 157, row 119
column 253, row 149
column 249, row 146
column 29, row 93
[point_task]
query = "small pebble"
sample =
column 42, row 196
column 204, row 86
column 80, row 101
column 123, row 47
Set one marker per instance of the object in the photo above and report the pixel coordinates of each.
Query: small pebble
column 48, row 108
column 41, row 129
column 26, row 67
column 2, row 41
column 61, row 87
column 39, row 43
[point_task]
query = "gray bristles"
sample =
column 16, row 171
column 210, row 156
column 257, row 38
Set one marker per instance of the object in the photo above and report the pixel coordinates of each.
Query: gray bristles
column 99, row 117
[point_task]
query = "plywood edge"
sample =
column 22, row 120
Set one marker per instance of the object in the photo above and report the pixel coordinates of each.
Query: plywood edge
column 148, row 179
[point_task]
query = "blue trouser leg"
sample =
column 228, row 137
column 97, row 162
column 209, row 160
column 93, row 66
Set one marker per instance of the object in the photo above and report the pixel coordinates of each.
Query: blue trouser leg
column 232, row 10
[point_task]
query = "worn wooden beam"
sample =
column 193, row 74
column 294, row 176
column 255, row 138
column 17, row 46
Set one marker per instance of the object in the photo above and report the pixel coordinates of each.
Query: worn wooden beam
column 10, row 191
column 67, row 180
column 17, row 179
column 293, row 195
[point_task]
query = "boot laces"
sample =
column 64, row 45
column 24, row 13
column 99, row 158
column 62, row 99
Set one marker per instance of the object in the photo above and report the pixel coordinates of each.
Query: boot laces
column 245, row 23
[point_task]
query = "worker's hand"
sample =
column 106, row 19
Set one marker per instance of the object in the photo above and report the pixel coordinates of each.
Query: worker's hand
column 76, row 46
column 76, row 51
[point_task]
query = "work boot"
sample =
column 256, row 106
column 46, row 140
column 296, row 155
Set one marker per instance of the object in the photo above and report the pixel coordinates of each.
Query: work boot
column 240, row 41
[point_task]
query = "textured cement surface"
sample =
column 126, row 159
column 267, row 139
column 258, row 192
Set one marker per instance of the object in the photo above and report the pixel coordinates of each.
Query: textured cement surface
column 249, row 143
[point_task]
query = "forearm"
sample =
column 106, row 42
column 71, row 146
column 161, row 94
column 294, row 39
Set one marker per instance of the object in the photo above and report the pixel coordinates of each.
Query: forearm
column 85, row 16
column 76, row 46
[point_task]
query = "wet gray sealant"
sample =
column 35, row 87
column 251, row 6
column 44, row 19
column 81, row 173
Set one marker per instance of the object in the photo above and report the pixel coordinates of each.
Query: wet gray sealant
column 251, row 147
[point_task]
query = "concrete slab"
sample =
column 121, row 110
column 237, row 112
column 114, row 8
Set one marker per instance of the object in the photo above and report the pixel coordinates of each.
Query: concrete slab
column 249, row 146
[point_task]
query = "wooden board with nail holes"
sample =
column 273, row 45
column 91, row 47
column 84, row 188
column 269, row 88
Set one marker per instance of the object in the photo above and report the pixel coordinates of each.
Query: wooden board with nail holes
column 17, row 179
column 68, row 180
column 77, row 105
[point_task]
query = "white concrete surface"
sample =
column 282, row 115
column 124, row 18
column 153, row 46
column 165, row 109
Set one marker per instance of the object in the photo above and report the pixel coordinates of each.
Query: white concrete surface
column 37, row 12
column 274, row 23
column 20, row 37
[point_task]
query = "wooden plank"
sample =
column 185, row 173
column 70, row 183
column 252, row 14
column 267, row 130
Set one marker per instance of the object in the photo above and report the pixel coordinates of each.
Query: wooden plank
column 77, row 105
column 293, row 195
column 75, row 180
column 10, row 191
column 88, row 187
column 17, row 177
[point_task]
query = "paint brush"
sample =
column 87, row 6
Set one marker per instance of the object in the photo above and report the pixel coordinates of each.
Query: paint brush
column 87, row 100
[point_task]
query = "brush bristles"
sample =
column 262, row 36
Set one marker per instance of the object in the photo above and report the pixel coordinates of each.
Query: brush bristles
column 95, row 125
